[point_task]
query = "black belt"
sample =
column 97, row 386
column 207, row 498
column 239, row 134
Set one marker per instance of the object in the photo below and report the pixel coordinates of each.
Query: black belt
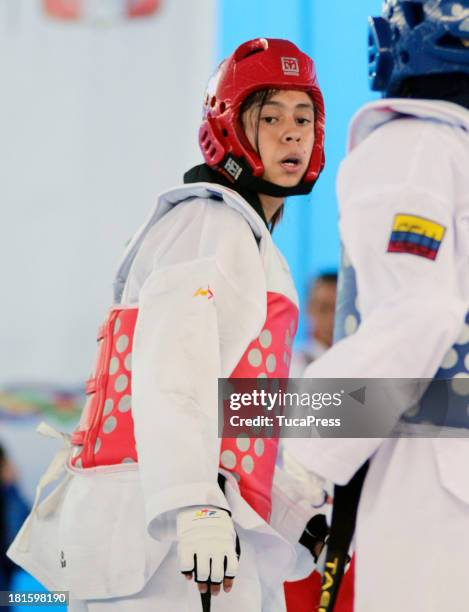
column 344, row 515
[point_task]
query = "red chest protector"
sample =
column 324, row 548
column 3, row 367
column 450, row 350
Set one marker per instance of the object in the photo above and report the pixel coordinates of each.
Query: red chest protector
column 105, row 435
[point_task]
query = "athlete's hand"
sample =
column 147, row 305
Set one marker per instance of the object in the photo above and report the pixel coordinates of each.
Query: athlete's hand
column 207, row 547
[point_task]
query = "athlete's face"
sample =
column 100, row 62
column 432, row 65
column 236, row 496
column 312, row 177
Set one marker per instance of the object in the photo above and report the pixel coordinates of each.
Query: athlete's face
column 283, row 135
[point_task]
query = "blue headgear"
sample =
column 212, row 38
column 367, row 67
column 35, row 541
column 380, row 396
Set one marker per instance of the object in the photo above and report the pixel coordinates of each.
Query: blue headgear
column 415, row 38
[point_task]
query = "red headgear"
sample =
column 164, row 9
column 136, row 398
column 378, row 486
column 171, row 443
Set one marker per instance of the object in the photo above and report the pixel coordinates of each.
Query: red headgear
column 262, row 63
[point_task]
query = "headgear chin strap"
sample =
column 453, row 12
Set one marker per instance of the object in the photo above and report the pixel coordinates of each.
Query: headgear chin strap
column 239, row 173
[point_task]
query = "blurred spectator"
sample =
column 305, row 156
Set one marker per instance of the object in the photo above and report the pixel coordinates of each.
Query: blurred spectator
column 13, row 512
column 320, row 310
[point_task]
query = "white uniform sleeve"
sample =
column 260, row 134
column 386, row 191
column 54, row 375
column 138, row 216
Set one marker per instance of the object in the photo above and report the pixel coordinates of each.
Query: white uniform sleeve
column 412, row 307
column 295, row 502
column 195, row 320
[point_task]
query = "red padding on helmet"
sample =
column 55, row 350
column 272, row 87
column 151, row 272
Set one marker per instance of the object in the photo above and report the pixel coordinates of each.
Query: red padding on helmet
column 213, row 151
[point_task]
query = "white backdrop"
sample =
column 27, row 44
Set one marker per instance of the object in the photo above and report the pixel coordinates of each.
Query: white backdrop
column 94, row 122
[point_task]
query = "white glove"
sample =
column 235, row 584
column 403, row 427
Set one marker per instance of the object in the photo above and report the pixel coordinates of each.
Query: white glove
column 207, row 544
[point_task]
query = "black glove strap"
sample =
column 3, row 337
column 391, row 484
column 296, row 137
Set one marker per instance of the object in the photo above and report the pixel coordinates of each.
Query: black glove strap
column 206, row 599
column 315, row 531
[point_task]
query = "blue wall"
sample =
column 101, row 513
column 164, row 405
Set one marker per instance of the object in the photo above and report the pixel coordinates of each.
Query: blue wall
column 334, row 33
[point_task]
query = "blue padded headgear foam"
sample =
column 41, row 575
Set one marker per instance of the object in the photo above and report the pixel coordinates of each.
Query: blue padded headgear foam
column 417, row 37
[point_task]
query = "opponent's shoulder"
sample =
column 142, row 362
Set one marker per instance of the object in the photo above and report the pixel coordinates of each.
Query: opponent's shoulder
column 437, row 113
column 391, row 149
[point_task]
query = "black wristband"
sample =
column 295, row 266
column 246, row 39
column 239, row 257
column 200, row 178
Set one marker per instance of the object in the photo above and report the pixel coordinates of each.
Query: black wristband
column 315, row 531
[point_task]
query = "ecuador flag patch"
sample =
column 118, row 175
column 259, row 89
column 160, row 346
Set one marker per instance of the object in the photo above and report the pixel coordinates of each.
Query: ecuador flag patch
column 416, row 235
